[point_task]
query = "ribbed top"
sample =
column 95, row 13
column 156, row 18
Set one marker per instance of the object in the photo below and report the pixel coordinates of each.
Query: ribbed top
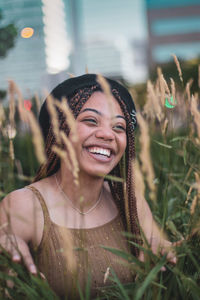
column 68, row 256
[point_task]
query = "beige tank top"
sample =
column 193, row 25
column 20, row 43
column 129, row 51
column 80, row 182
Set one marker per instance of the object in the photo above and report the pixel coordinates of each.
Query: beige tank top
column 69, row 258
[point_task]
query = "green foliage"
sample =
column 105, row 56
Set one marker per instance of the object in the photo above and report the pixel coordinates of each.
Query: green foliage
column 23, row 286
column 169, row 70
column 8, row 34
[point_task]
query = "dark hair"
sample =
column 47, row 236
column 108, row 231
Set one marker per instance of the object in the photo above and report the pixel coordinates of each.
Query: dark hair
column 77, row 91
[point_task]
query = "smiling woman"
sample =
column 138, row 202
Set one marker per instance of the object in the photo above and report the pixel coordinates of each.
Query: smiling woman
column 73, row 206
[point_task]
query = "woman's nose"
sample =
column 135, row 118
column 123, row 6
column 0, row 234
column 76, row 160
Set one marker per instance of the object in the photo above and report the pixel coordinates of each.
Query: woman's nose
column 105, row 133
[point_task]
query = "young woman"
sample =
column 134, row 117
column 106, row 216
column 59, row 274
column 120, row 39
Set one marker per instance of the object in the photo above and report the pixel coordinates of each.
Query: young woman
column 58, row 224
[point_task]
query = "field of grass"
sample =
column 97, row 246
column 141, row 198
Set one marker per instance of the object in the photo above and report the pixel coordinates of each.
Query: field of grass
column 168, row 158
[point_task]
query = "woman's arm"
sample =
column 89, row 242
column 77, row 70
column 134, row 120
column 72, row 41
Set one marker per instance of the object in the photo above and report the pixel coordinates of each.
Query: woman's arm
column 16, row 226
column 153, row 234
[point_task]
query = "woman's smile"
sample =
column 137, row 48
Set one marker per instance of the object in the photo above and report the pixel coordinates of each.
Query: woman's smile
column 100, row 153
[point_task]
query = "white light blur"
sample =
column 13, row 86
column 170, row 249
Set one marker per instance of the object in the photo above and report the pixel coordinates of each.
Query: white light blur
column 57, row 44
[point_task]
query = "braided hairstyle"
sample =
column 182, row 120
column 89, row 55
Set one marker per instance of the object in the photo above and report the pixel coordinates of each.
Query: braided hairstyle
column 122, row 192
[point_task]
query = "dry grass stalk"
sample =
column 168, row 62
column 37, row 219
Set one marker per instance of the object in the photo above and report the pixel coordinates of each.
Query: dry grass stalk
column 72, row 156
column 165, row 125
column 139, row 180
column 63, row 106
column 68, row 249
column 11, row 90
column 188, row 194
column 187, row 89
column 163, row 83
column 148, row 108
column 193, row 205
column 134, row 96
column 197, row 179
column 199, row 76
column 126, row 206
column 21, row 109
column 173, row 91
column 106, row 90
column 62, row 154
column 162, row 87
column 71, row 75
column 178, row 67
column 196, row 114
column 154, row 100
column 196, row 199
column 11, row 150
column 54, row 117
column 106, row 275
column 37, row 137
column 28, row 116
column 145, row 157
column 2, row 116
column 38, row 102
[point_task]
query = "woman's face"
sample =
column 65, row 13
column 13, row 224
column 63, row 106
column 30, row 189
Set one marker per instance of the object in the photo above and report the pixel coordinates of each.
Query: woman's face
column 101, row 128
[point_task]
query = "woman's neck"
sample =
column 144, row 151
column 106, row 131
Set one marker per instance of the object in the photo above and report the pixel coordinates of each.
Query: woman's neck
column 84, row 194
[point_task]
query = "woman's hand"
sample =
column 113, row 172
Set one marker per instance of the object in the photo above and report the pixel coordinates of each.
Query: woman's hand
column 19, row 251
column 161, row 246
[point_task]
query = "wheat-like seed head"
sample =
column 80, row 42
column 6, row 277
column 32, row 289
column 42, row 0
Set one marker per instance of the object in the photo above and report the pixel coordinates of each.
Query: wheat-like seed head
column 37, row 137
column 72, row 156
column 154, row 101
column 11, row 90
column 145, row 157
column 54, row 117
column 139, row 179
column 2, row 116
column 64, row 107
column 178, row 67
column 196, row 114
column 68, row 249
column 106, row 90
column 38, row 102
column 187, row 89
column 173, row 90
column 63, row 155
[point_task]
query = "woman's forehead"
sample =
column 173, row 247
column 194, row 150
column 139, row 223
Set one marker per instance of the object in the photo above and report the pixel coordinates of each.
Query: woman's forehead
column 100, row 101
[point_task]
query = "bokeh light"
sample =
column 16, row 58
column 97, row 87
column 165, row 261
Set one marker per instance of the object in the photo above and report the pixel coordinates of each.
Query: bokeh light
column 27, row 104
column 27, row 32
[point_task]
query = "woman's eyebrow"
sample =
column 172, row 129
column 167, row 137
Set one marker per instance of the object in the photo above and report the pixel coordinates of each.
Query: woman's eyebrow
column 91, row 109
column 119, row 116
column 99, row 113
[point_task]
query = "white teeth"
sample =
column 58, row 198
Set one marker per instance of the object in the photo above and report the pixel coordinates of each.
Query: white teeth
column 97, row 150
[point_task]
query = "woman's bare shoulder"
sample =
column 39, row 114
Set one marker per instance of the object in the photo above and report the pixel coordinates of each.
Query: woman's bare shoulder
column 18, row 197
column 23, row 199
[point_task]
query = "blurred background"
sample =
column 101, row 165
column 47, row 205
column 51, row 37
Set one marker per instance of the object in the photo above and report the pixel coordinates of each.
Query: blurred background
column 43, row 41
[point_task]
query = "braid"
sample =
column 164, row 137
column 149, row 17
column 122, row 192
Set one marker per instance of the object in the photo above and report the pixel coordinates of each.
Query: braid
column 130, row 216
column 123, row 193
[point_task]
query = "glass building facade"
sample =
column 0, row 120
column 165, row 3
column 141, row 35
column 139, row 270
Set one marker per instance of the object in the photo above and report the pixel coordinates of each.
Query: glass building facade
column 25, row 63
column 107, row 37
column 174, row 27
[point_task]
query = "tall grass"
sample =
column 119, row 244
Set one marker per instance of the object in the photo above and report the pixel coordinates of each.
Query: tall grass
column 168, row 164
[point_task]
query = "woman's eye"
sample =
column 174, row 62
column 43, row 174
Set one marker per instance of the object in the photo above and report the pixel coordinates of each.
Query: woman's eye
column 119, row 128
column 89, row 120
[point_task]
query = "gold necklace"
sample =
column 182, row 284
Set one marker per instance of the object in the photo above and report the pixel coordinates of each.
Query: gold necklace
column 71, row 203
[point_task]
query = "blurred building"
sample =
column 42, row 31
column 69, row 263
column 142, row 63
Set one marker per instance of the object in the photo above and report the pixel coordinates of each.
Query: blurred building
column 70, row 36
column 26, row 61
column 174, row 27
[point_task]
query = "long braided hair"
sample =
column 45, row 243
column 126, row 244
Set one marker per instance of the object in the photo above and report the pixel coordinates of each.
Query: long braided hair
column 122, row 192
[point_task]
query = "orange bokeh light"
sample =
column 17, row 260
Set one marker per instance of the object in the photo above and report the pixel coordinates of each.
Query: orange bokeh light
column 27, row 32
